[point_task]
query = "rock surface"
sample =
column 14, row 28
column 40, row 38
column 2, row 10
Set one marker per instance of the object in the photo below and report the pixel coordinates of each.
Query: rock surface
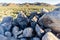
column 39, row 30
column 49, row 36
column 51, row 20
column 27, row 32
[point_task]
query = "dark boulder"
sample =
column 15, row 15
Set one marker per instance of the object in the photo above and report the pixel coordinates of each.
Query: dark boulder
column 22, row 20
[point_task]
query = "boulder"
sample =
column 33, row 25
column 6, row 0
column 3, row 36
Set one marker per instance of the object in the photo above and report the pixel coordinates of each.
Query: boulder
column 51, row 20
column 22, row 20
column 8, row 19
column 7, row 23
column 49, row 36
column 27, row 32
column 6, row 26
column 39, row 30
column 15, row 30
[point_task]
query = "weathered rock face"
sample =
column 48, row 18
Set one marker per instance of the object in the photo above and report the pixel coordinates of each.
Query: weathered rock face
column 49, row 36
column 51, row 20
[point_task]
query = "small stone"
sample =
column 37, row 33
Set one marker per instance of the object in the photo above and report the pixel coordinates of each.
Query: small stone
column 35, row 38
column 27, row 32
column 49, row 36
column 39, row 30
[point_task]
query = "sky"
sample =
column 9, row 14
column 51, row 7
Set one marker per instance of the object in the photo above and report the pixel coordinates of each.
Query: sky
column 30, row 1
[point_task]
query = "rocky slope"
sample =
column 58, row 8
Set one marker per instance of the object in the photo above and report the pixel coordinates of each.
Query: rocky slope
column 42, row 26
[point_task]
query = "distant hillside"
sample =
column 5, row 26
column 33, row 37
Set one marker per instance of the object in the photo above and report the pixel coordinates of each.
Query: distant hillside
column 37, row 4
column 57, row 4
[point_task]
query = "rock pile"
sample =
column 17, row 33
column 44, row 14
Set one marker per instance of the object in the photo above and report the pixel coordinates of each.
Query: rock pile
column 43, row 26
